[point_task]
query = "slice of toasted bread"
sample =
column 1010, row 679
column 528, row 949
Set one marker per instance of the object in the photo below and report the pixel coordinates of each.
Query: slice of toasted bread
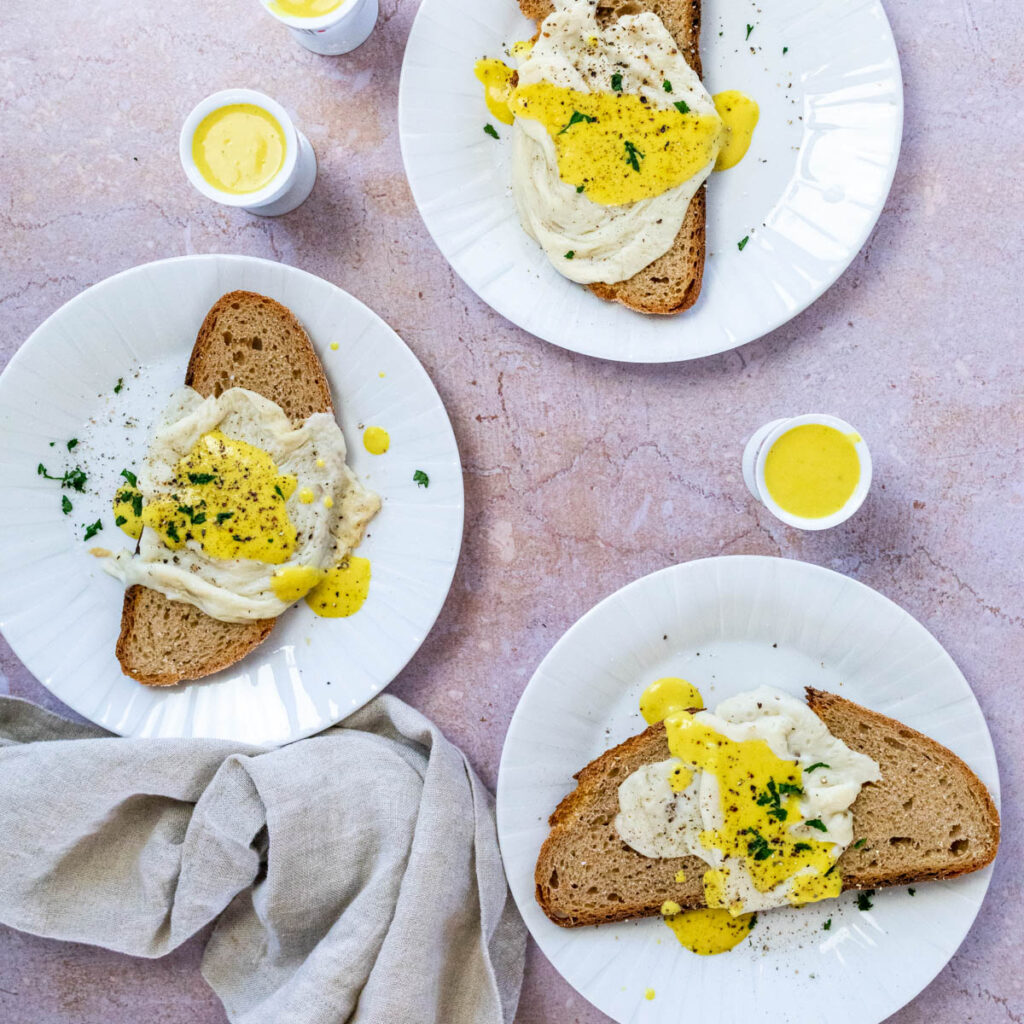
column 672, row 282
column 248, row 341
column 929, row 817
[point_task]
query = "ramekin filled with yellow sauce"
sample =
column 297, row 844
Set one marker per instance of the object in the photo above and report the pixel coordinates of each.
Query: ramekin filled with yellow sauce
column 812, row 472
column 240, row 148
column 329, row 27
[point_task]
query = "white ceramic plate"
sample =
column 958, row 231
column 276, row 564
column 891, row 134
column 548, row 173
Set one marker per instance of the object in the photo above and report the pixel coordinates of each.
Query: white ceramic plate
column 807, row 194
column 61, row 613
column 729, row 624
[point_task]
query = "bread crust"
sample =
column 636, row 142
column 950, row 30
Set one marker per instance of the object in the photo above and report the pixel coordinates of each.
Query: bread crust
column 671, row 283
column 594, row 781
column 211, row 369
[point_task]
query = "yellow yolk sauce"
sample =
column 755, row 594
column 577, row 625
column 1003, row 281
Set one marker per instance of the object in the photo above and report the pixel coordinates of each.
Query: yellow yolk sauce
column 295, row 582
column 812, row 470
column 739, row 114
column 305, row 8
column 128, row 511
column 228, row 497
column 708, row 931
column 343, row 589
column 666, row 695
column 496, row 78
column 239, row 148
column 376, row 440
column 616, row 147
column 759, row 800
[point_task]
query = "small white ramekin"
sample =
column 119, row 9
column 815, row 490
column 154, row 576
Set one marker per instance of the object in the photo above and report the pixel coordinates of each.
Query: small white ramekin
column 756, row 454
column 286, row 190
column 339, row 31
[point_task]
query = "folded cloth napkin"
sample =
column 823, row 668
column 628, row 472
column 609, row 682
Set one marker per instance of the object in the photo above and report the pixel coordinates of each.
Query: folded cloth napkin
column 354, row 876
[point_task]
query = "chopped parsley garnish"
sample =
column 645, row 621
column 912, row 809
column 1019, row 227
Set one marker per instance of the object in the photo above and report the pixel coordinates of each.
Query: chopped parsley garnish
column 570, row 254
column 772, row 798
column 65, row 504
column 785, row 50
column 119, row 385
column 279, row 492
column 201, row 478
column 666, row 85
column 682, row 106
column 817, row 823
column 172, row 532
column 73, row 478
column 912, row 890
column 758, row 847
column 577, row 118
column 617, row 82
column 492, row 131
column 120, row 520
column 130, row 477
column 742, row 242
column 860, row 842
column 420, row 478
column 751, row 922
column 800, row 847
column 631, row 156
column 223, row 516
column 194, row 517
column 199, row 518
column 827, row 925
column 579, row 188
column 750, row 28
column 92, row 529
column 864, row 900
column 817, row 764
column 235, row 537
column 136, row 505
column 72, row 443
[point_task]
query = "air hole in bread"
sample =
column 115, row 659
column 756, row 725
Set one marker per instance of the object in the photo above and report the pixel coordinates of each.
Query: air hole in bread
column 256, row 344
column 228, row 337
column 901, row 841
column 239, row 355
column 959, row 846
column 954, row 831
column 553, row 880
column 612, row 772
column 908, row 803
column 895, row 743
column 235, row 305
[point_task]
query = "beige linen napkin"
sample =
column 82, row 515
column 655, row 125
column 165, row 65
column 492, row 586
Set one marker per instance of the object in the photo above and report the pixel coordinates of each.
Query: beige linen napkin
column 354, row 876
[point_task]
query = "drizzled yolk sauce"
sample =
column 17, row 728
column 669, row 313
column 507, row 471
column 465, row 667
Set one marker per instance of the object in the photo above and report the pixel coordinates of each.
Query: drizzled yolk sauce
column 239, row 148
column 707, row 931
column 666, row 695
column 295, row 581
column 304, row 8
column 376, row 440
column 812, row 470
column 229, row 497
column 759, row 800
column 739, row 114
column 343, row 589
column 616, row 148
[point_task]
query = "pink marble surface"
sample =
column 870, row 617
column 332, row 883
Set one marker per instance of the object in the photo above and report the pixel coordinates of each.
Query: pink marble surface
column 918, row 345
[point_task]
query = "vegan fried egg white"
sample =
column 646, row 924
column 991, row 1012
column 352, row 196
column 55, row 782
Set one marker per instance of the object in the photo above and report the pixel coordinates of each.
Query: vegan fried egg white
column 239, row 512
column 613, row 135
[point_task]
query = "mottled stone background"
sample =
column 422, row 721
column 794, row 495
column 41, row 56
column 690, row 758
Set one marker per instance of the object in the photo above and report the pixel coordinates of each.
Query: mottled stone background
column 580, row 475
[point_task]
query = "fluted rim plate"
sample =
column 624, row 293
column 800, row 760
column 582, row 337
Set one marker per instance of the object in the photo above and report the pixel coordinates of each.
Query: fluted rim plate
column 729, row 624
column 61, row 613
column 827, row 78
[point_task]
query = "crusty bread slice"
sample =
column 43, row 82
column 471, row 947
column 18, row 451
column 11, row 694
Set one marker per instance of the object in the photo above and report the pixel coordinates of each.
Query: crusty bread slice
column 672, row 282
column 248, row 341
column 929, row 817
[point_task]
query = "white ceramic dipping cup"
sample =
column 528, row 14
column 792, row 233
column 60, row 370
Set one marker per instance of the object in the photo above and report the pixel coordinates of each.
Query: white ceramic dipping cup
column 336, row 32
column 756, row 454
column 289, row 188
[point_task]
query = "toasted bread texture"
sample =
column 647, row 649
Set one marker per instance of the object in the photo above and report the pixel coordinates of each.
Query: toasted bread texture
column 929, row 817
column 247, row 341
column 672, row 282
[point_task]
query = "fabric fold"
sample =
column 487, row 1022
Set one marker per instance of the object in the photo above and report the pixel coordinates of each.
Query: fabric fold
column 354, row 876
